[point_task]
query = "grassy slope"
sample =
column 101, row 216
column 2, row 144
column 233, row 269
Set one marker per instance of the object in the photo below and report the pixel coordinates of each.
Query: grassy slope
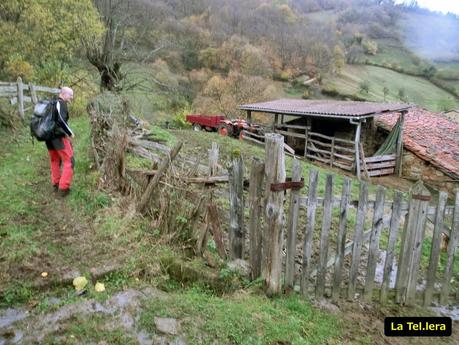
column 417, row 90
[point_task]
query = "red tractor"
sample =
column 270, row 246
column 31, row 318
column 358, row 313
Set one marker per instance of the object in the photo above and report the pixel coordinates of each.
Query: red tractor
column 222, row 125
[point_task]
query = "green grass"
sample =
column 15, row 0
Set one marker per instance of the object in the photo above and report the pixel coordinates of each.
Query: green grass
column 245, row 319
column 418, row 90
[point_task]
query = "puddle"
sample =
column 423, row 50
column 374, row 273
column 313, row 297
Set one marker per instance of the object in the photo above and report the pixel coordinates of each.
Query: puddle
column 123, row 309
column 451, row 311
column 10, row 316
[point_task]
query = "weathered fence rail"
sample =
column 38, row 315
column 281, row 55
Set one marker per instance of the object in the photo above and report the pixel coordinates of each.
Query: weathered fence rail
column 16, row 93
column 370, row 248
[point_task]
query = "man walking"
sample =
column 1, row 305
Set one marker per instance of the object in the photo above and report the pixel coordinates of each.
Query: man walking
column 60, row 148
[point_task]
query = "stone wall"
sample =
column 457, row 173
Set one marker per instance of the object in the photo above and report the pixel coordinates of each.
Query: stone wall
column 419, row 169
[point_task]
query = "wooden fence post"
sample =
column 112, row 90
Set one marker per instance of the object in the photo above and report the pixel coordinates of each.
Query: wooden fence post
column 33, row 93
column 374, row 243
column 341, row 240
column 236, row 196
column 213, row 159
column 310, row 223
column 326, row 224
column 413, row 237
column 255, row 205
column 20, row 87
column 452, row 247
column 356, row 250
column 435, row 248
column 394, row 229
column 292, row 228
column 274, row 213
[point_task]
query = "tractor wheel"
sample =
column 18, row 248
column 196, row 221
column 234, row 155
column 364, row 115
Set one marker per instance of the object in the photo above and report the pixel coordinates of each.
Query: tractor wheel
column 225, row 130
column 196, row 127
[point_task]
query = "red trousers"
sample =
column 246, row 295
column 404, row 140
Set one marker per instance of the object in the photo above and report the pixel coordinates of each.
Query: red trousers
column 62, row 159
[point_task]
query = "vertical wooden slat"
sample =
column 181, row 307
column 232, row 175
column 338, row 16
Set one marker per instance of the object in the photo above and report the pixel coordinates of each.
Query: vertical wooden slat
column 356, row 147
column 33, row 93
column 20, row 88
column 341, row 241
column 394, row 230
column 359, row 224
column 236, row 196
column 213, row 159
column 310, row 223
column 399, row 145
column 255, row 205
column 413, row 236
column 374, row 243
column 274, row 213
column 435, row 248
column 326, row 224
column 306, row 141
column 332, row 154
column 453, row 241
column 292, row 228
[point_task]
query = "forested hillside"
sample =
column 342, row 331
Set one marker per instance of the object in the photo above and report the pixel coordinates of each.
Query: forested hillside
column 211, row 55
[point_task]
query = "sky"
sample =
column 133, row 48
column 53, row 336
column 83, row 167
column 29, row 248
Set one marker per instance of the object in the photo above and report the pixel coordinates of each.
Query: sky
column 443, row 6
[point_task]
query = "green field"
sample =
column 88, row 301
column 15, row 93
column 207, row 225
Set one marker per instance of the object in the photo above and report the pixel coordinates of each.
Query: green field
column 418, row 90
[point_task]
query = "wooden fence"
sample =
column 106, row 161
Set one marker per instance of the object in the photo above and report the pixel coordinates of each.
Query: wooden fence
column 370, row 249
column 16, row 92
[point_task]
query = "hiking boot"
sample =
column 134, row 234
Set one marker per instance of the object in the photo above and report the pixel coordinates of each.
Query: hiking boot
column 63, row 192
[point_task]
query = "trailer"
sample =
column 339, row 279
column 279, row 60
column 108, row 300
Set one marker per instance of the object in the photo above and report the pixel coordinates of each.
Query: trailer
column 222, row 125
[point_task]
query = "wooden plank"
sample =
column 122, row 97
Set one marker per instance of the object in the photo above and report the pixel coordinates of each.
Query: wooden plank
column 47, row 89
column 310, row 223
column 255, row 205
column 321, row 143
column 274, row 213
column 7, row 83
column 251, row 134
column 344, row 149
column 381, row 172
column 345, row 157
column 342, row 166
column 209, row 179
column 292, row 228
column 236, row 199
column 11, row 88
column 341, row 240
column 253, row 140
column 373, row 253
column 380, row 158
column 332, row 155
column 409, row 239
column 14, row 100
column 306, row 139
column 20, row 88
column 145, row 199
column 320, row 159
column 453, row 241
column 289, row 149
column 357, row 153
column 359, row 224
column 213, row 159
column 326, row 224
column 284, row 125
column 364, row 165
column 435, row 248
column 314, row 149
column 313, row 134
column 390, row 251
column 215, row 228
column 373, row 166
column 291, row 134
column 33, row 93
column 399, row 145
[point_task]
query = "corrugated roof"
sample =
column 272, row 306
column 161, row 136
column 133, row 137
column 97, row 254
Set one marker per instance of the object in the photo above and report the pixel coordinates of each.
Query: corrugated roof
column 431, row 136
column 325, row 108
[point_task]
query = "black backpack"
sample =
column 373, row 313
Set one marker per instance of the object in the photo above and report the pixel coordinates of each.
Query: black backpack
column 43, row 121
